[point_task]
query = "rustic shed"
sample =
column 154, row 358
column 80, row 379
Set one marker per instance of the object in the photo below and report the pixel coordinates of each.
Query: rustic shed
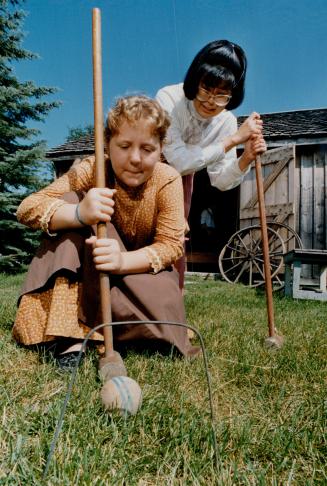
column 295, row 171
column 65, row 155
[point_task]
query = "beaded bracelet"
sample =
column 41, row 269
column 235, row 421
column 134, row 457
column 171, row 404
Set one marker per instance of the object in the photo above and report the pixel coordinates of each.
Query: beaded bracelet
column 78, row 216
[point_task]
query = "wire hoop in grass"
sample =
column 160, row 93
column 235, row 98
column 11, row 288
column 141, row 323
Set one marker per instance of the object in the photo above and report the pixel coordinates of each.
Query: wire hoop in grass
column 74, row 373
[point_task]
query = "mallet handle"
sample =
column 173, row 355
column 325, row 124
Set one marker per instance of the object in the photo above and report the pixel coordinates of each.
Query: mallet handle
column 264, row 236
column 100, row 168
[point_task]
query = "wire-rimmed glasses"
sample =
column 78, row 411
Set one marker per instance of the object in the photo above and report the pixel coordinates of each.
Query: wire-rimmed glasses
column 218, row 99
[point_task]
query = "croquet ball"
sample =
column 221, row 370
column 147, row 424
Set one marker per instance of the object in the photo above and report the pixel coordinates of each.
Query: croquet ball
column 123, row 394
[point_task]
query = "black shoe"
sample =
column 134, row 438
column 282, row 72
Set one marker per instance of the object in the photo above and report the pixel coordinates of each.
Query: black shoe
column 68, row 361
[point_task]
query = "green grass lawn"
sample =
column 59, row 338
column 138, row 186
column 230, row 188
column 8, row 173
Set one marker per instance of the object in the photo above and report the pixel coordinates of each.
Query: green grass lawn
column 270, row 406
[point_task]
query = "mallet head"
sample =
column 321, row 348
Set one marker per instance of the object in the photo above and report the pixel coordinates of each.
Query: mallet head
column 274, row 342
column 111, row 366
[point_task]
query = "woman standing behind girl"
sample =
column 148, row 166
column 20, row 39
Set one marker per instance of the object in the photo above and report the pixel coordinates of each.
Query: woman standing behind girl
column 203, row 131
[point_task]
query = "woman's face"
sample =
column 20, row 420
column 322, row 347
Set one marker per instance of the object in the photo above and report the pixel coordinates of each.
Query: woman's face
column 134, row 151
column 206, row 101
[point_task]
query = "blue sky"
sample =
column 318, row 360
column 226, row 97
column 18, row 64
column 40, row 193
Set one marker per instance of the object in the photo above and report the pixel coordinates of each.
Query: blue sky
column 148, row 44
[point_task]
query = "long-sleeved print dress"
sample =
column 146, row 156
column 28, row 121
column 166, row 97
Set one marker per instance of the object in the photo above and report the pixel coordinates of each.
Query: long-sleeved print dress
column 150, row 216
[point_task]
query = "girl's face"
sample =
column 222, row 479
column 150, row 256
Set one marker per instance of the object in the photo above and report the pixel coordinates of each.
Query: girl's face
column 134, row 151
column 210, row 102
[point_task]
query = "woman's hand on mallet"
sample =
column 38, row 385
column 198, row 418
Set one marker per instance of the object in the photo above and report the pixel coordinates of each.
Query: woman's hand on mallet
column 251, row 126
column 107, row 256
column 256, row 145
column 97, row 206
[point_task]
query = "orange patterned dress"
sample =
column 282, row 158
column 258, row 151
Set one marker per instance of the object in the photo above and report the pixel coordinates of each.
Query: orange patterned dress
column 150, row 216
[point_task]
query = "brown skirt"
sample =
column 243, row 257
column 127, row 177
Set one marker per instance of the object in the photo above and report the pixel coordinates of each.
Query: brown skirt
column 60, row 298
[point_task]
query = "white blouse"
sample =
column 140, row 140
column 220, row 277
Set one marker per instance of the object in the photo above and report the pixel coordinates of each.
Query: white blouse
column 194, row 142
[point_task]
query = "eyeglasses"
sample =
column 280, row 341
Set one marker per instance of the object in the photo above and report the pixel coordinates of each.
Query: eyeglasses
column 219, row 99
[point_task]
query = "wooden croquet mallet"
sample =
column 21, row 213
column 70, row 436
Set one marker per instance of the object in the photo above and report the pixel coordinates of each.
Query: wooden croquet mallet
column 111, row 364
column 273, row 340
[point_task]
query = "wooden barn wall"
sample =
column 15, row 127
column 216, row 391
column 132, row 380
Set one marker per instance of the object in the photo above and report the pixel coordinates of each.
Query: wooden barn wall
column 311, row 168
column 311, row 165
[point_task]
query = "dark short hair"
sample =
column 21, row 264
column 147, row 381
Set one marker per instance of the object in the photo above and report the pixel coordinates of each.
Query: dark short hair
column 220, row 63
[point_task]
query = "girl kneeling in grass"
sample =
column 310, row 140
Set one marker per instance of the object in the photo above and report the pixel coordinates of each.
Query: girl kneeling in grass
column 142, row 205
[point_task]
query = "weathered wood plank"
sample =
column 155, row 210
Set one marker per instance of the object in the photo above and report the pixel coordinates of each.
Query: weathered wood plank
column 325, row 197
column 269, row 191
column 306, row 199
column 273, row 210
column 318, row 214
column 306, row 206
column 297, row 193
column 275, row 155
column 247, row 187
column 280, row 187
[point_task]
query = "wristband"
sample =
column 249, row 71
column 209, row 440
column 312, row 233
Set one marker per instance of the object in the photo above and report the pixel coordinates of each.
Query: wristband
column 78, row 216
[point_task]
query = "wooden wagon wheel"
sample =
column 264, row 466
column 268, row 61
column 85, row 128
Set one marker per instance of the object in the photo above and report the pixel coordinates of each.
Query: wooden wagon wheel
column 241, row 259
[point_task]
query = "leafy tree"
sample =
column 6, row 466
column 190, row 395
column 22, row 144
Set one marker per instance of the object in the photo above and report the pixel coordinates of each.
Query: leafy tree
column 20, row 156
column 79, row 132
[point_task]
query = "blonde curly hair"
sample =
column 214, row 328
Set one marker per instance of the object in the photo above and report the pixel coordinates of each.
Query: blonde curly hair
column 134, row 108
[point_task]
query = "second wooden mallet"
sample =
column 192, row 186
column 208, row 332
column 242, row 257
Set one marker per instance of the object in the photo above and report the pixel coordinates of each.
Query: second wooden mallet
column 273, row 340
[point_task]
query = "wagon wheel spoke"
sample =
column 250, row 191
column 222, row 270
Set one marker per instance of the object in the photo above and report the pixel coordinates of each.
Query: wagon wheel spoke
column 234, row 258
column 232, row 248
column 290, row 238
column 272, row 264
column 276, row 250
column 280, row 283
column 257, row 244
column 278, row 245
column 251, row 279
column 261, row 260
column 234, row 267
column 239, row 237
column 241, row 260
column 236, row 249
column 240, row 273
column 259, row 268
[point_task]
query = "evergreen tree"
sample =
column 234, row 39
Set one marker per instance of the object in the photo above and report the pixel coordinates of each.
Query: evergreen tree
column 20, row 154
column 76, row 133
